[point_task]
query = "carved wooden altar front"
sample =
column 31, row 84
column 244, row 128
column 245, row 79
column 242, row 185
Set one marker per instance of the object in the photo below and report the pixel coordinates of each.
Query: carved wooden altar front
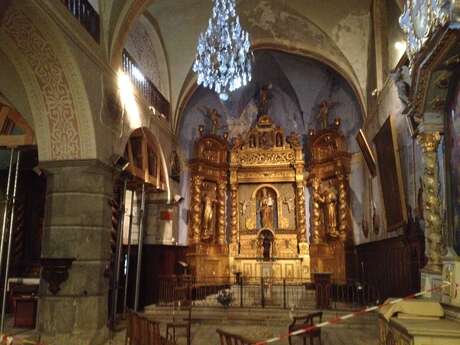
column 329, row 168
column 208, row 251
column 267, row 216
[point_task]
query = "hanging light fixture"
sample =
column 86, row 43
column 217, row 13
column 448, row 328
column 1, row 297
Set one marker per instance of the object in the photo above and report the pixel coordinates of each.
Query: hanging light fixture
column 224, row 56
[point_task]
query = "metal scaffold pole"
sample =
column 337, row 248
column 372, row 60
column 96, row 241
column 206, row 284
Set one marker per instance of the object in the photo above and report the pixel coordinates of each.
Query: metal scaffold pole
column 128, row 254
column 139, row 249
column 10, row 235
column 116, row 282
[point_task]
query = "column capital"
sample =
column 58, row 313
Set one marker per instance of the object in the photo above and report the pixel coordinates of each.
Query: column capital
column 429, row 141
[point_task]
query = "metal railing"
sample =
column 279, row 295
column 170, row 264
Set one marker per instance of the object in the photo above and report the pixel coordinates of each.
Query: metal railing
column 145, row 86
column 86, row 15
column 266, row 292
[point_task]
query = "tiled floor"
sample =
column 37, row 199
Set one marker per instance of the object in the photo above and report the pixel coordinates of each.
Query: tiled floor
column 359, row 331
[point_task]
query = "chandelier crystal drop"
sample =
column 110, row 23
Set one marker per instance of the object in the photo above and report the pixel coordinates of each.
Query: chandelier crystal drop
column 224, row 57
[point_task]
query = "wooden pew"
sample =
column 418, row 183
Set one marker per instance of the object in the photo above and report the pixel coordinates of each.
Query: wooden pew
column 143, row 331
column 227, row 338
column 300, row 322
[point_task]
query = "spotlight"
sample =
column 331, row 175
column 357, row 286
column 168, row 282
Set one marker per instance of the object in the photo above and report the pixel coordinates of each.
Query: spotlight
column 119, row 162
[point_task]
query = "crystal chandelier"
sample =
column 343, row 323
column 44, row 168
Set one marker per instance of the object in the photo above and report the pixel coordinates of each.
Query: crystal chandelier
column 224, row 56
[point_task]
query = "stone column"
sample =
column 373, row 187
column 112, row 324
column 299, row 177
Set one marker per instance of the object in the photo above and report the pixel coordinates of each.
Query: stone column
column 195, row 234
column 431, row 200
column 221, row 188
column 77, row 225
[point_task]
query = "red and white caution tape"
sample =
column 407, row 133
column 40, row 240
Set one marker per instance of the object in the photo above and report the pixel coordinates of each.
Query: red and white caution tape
column 351, row 315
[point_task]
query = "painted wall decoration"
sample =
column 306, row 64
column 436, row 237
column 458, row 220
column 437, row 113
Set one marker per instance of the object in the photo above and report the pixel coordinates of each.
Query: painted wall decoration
column 297, row 84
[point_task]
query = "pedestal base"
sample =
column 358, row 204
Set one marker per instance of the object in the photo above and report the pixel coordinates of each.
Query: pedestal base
column 430, row 280
column 209, row 263
column 329, row 257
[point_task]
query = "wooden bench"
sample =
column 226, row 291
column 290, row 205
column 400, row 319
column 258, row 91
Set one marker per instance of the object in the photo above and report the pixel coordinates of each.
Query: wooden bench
column 186, row 325
column 301, row 322
column 142, row 331
column 227, row 338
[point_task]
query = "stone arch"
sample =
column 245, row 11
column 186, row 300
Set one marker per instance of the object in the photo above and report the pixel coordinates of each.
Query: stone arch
column 190, row 85
column 156, row 143
column 53, row 84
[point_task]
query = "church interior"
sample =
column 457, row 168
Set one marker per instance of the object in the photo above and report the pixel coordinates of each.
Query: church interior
column 230, row 172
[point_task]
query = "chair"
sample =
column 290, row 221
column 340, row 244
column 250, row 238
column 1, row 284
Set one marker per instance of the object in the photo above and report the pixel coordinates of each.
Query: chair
column 186, row 324
column 227, row 338
column 133, row 331
column 304, row 321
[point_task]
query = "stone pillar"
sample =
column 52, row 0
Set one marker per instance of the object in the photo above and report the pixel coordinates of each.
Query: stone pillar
column 77, row 225
column 431, row 200
column 195, row 234
column 221, row 188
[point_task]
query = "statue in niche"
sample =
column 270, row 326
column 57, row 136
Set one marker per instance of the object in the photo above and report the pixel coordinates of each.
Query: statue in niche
column 329, row 200
column 266, row 209
column 208, row 215
column 266, row 242
column 279, row 140
column 266, row 140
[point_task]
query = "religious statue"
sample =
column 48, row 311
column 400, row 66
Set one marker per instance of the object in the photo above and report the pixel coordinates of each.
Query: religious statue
column 208, row 216
column 323, row 114
column 214, row 116
column 266, row 209
column 174, row 164
column 328, row 198
column 330, row 201
column 263, row 100
column 266, row 244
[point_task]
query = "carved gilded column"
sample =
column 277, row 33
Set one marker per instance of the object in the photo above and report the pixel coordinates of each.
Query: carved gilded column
column 343, row 206
column 221, row 187
column 431, row 200
column 316, row 212
column 197, row 182
column 301, row 228
column 234, row 214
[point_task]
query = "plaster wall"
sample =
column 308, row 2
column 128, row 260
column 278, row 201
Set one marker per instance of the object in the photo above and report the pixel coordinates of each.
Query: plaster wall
column 336, row 30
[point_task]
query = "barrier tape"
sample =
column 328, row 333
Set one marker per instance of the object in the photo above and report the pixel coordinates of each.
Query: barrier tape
column 15, row 340
column 351, row 315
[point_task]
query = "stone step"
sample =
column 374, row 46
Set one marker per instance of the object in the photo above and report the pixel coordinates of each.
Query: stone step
column 254, row 316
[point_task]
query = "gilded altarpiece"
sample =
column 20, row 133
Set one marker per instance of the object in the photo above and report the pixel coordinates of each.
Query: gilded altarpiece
column 208, row 252
column 329, row 170
column 267, row 217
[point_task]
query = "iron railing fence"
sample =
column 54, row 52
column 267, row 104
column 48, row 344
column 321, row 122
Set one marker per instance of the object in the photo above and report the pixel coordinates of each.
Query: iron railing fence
column 145, row 86
column 86, row 15
column 264, row 292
